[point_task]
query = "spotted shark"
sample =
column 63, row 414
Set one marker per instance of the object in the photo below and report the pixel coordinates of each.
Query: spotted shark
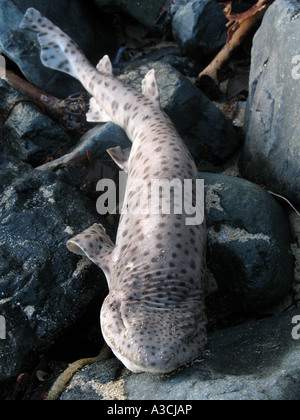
column 154, row 317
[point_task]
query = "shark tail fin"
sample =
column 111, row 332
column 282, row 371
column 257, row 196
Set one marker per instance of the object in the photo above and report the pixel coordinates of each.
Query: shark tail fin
column 58, row 50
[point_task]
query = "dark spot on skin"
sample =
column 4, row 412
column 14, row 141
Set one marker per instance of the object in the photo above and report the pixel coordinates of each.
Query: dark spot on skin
column 62, row 64
column 115, row 105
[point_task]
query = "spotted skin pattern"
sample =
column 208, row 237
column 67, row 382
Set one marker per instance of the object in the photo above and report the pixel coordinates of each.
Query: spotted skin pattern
column 154, row 315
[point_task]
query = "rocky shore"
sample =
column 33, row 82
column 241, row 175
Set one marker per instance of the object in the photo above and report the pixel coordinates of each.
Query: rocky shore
column 50, row 299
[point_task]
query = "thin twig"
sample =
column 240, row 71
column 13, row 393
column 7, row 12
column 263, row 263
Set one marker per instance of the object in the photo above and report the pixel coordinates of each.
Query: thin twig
column 285, row 199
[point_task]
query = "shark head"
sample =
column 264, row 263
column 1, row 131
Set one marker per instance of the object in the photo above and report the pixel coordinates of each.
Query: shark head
column 151, row 336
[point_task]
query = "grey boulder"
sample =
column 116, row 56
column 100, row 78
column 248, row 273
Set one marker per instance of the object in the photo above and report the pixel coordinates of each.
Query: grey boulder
column 272, row 148
column 199, row 27
column 249, row 239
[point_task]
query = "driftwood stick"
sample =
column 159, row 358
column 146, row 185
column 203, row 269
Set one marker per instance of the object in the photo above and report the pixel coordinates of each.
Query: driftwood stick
column 70, row 113
column 239, row 27
column 48, row 103
column 68, row 374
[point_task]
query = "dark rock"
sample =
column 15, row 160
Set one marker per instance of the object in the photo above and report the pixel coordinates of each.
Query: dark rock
column 249, row 240
column 258, row 360
column 81, row 22
column 199, row 27
column 92, row 380
column 33, row 136
column 43, row 288
column 271, row 153
column 7, row 96
column 144, row 11
column 96, row 141
column 205, row 130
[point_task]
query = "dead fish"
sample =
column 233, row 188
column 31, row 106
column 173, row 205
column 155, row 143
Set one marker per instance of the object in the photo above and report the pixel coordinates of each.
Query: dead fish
column 154, row 317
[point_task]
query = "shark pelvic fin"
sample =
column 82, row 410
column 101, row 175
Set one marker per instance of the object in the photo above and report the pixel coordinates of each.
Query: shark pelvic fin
column 96, row 113
column 119, row 156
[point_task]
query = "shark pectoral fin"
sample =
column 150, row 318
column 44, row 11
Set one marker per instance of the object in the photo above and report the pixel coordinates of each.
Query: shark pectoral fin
column 120, row 156
column 95, row 244
column 96, row 113
column 104, row 66
column 210, row 283
column 149, row 86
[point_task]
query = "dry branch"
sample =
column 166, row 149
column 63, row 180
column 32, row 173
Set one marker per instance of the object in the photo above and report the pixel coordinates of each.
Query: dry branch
column 239, row 26
column 70, row 113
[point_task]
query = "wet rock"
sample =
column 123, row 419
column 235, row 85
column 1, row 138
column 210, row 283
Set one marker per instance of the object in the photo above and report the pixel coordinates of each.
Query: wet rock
column 272, row 151
column 199, row 27
column 258, row 360
column 83, row 24
column 249, row 240
column 202, row 126
column 43, row 288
